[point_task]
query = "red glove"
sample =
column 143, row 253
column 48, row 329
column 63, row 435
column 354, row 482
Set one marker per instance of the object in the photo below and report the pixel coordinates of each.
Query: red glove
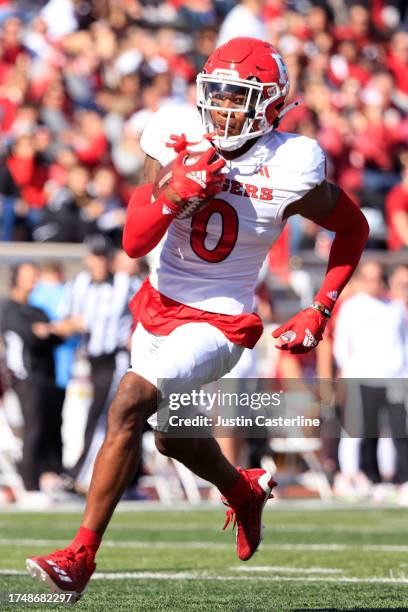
column 180, row 143
column 195, row 179
column 302, row 332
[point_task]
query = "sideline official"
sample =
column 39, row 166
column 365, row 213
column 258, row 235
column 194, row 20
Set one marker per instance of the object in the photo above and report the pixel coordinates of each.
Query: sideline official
column 30, row 360
column 96, row 306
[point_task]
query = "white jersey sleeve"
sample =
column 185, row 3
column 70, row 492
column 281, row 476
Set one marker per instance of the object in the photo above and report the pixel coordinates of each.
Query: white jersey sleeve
column 303, row 166
column 170, row 119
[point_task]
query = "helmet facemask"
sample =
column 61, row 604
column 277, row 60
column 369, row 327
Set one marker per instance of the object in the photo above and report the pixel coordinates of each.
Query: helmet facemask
column 245, row 96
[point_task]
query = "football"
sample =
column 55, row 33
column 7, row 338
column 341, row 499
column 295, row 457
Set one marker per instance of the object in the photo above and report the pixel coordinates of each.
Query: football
column 164, row 177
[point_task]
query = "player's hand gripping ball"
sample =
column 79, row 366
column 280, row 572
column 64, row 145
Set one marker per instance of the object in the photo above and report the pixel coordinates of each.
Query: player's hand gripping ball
column 302, row 332
column 189, row 182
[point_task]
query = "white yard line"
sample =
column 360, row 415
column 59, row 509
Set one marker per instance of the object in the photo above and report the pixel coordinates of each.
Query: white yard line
column 272, row 528
column 160, row 545
column 285, row 569
column 204, row 576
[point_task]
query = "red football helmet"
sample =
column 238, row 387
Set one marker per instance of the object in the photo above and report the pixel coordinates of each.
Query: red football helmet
column 253, row 75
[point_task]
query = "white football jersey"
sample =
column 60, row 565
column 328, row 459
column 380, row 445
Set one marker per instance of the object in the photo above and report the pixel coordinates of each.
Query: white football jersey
column 211, row 261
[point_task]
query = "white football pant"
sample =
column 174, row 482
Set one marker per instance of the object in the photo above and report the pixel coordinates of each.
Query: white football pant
column 191, row 352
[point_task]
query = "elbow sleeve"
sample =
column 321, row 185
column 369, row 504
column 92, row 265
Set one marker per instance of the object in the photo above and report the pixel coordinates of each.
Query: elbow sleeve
column 145, row 223
column 352, row 230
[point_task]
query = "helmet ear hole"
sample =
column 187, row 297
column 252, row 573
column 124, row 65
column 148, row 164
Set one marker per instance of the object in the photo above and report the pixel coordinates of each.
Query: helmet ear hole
column 272, row 113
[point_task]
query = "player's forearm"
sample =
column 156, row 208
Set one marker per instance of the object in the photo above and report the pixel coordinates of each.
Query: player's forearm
column 68, row 327
column 352, row 230
column 145, row 223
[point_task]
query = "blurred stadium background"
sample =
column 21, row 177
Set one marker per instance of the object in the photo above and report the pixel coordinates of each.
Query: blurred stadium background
column 78, row 81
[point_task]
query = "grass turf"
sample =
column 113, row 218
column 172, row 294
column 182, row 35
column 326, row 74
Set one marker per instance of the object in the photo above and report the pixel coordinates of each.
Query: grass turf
column 311, row 559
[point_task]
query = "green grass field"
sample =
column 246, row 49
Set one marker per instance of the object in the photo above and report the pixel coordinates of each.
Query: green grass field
column 161, row 560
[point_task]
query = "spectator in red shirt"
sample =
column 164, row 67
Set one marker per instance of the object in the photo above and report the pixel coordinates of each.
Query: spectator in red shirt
column 346, row 64
column 30, row 173
column 64, row 160
column 359, row 27
column 8, row 111
column 12, row 33
column 91, row 144
column 397, row 214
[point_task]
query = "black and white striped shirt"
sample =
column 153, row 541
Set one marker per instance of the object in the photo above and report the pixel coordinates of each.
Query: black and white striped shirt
column 104, row 307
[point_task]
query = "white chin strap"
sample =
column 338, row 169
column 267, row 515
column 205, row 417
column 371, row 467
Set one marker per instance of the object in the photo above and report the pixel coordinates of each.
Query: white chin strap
column 227, row 145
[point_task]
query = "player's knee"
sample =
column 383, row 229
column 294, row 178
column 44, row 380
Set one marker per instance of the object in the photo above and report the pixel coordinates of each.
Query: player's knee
column 163, row 445
column 135, row 401
column 171, row 447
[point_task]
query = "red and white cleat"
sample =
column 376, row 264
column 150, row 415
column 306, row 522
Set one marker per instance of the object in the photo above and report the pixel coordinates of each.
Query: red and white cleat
column 65, row 571
column 247, row 517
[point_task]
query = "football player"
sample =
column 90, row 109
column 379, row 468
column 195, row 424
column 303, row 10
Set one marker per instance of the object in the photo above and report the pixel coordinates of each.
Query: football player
column 220, row 215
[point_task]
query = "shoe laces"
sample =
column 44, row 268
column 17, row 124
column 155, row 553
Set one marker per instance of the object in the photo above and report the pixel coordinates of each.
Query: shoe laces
column 66, row 554
column 70, row 559
column 231, row 518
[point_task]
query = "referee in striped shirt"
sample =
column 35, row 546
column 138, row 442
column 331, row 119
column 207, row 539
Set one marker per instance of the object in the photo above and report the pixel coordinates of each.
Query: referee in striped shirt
column 96, row 306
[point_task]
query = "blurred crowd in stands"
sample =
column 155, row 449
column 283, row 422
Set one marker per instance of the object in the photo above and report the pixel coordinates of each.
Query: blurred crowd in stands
column 79, row 79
